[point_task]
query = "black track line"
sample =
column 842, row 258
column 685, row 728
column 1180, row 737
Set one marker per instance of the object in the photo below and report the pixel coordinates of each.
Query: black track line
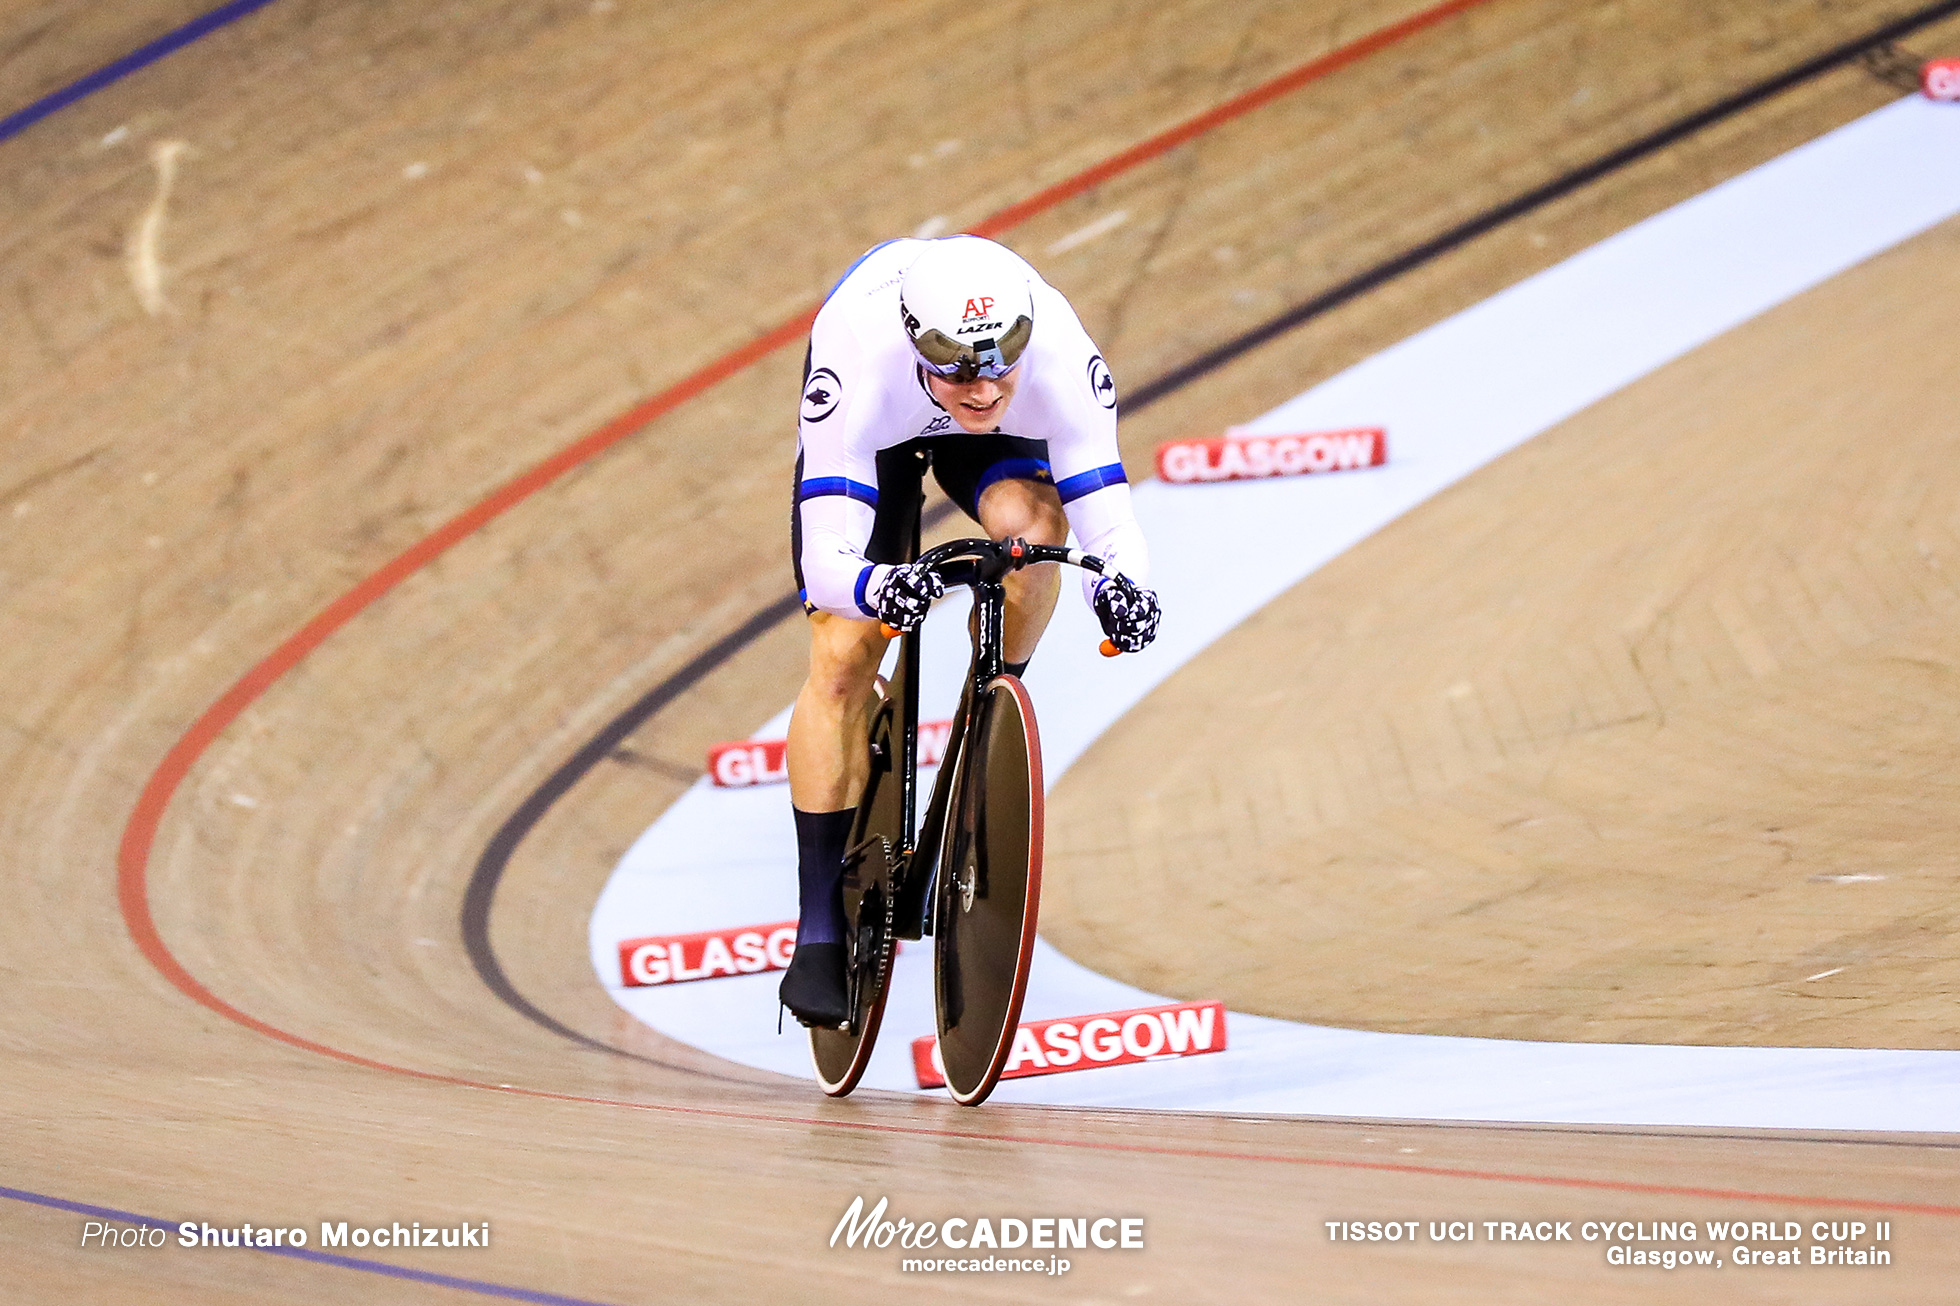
column 478, row 898
column 1559, row 187
column 490, row 867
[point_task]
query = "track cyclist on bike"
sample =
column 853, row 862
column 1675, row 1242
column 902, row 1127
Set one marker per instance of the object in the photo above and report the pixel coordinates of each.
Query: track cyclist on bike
column 951, row 354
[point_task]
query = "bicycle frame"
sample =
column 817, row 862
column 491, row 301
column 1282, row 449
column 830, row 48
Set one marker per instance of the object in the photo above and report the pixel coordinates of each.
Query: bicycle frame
column 913, row 883
column 895, row 867
column 981, row 565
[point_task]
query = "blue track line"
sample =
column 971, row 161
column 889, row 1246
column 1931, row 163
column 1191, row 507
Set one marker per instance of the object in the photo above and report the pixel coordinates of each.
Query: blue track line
column 307, row 1254
column 16, row 123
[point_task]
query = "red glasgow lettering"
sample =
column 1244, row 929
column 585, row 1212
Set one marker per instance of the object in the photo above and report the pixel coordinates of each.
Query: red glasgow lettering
column 739, row 763
column 1941, row 79
column 1248, row 457
column 678, row 958
column 1116, row 1038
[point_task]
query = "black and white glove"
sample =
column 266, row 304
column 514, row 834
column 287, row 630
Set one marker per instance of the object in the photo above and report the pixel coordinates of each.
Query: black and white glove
column 1128, row 613
column 907, row 595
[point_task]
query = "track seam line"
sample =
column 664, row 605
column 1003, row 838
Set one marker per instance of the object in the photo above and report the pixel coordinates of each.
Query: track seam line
column 503, row 844
column 139, row 833
column 145, row 819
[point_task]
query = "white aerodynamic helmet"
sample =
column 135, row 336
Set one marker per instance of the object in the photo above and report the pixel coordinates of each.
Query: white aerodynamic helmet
column 967, row 308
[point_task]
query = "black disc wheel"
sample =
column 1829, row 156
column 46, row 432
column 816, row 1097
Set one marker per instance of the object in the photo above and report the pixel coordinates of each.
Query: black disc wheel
column 870, row 866
column 988, row 891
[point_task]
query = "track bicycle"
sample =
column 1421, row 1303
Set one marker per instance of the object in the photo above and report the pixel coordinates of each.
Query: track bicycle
column 969, row 873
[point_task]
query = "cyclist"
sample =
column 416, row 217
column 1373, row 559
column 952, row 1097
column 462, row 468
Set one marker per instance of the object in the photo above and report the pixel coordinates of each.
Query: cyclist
column 951, row 354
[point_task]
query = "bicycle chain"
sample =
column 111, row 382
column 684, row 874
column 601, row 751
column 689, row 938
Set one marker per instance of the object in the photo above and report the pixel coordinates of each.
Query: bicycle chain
column 880, row 970
column 886, row 946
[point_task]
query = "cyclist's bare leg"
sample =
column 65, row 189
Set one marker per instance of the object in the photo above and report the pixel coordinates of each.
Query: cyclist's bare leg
column 826, row 755
column 826, row 774
column 1033, row 512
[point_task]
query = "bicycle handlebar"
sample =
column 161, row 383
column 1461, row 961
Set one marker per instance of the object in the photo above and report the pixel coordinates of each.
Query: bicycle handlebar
column 978, row 561
column 973, row 561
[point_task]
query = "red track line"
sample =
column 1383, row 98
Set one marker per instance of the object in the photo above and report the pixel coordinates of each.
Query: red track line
column 1189, row 130
column 139, row 835
column 1214, row 1154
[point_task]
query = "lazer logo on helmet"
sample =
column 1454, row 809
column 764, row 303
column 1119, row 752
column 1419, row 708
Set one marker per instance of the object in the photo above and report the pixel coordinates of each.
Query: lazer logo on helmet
column 979, row 306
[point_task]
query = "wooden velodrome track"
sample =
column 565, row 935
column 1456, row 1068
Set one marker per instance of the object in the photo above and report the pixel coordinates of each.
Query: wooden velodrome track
column 409, row 252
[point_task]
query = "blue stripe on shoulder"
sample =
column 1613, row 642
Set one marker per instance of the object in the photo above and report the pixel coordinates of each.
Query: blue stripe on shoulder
column 854, row 267
column 864, row 579
column 1090, row 481
column 819, row 486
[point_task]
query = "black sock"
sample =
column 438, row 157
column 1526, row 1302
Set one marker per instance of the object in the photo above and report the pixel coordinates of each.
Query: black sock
column 820, row 839
column 1018, row 670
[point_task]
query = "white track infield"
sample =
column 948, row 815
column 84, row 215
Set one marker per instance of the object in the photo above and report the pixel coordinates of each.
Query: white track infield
column 1452, row 398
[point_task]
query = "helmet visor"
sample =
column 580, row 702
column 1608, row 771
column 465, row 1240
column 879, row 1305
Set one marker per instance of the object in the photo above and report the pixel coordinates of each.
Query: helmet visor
column 943, row 356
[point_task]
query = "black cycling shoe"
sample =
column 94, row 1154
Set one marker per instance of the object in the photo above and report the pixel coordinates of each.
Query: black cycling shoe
column 813, row 987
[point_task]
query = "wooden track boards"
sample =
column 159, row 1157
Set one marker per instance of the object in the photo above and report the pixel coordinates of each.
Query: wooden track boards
column 1641, row 734
column 409, row 252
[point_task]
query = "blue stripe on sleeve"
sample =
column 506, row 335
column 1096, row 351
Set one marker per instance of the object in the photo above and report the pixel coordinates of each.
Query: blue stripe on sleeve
column 864, row 579
column 819, row 486
column 1090, row 481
